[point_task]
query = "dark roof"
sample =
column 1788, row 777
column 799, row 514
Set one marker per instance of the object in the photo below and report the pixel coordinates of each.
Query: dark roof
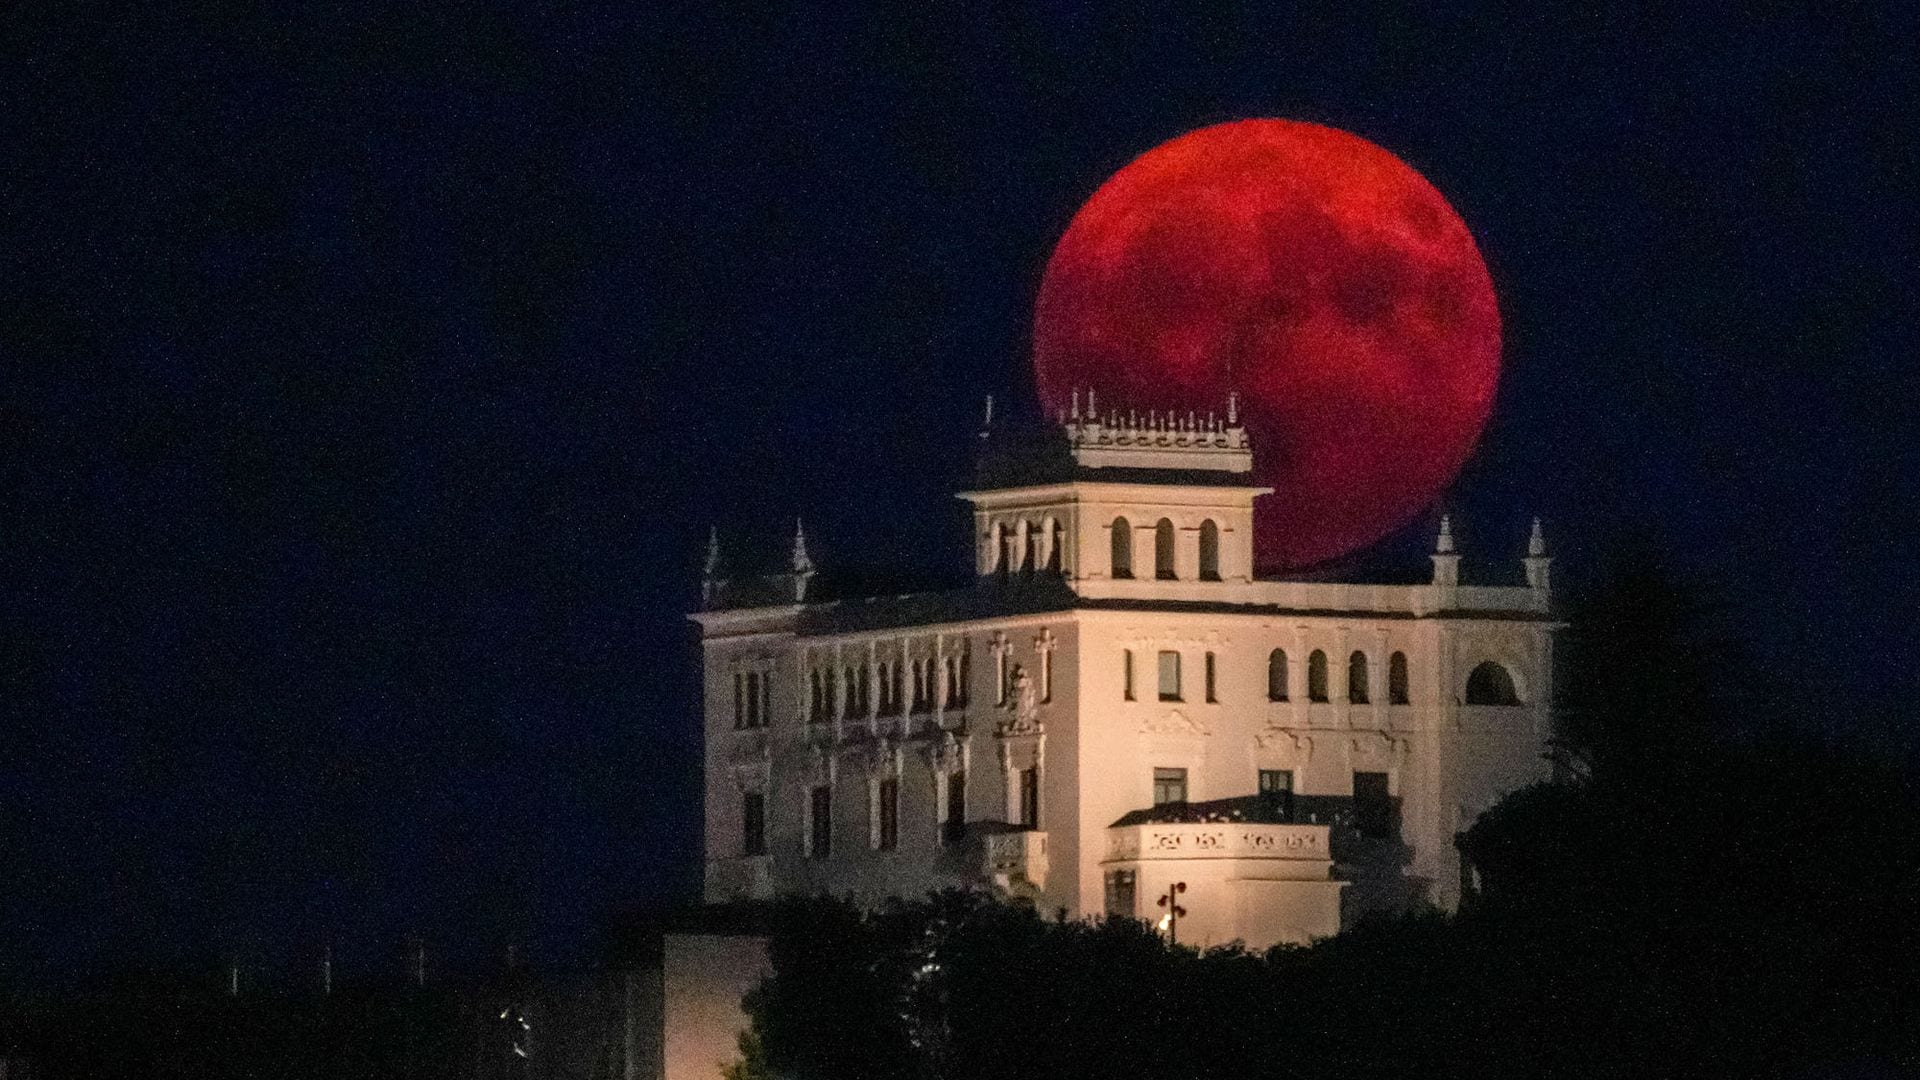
column 1254, row 809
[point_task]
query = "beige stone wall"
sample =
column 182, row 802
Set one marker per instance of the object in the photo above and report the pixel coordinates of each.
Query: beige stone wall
column 1097, row 751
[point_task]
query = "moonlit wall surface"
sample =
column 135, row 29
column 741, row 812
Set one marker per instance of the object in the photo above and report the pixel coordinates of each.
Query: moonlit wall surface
column 1319, row 276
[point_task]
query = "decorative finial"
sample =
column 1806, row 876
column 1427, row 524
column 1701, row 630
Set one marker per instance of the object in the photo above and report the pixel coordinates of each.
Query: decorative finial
column 1091, row 410
column 802, row 564
column 1444, row 545
column 986, row 422
column 712, row 565
column 1233, row 407
column 1536, row 541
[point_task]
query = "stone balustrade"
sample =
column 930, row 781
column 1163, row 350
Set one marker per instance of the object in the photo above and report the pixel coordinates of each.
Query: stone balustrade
column 1014, row 857
column 1218, row 840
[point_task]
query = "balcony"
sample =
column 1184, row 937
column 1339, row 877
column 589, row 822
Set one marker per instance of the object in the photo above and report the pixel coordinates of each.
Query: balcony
column 1016, row 860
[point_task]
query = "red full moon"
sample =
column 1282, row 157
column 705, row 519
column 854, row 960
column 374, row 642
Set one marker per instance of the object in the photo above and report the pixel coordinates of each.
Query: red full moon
column 1315, row 273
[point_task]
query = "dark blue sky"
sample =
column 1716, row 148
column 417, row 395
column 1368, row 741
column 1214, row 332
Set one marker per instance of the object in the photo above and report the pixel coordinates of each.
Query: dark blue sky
column 372, row 374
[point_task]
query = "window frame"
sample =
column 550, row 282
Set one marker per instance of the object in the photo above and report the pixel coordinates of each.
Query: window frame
column 1165, row 777
column 1161, row 669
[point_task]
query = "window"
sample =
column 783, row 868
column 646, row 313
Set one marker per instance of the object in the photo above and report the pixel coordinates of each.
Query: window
column 1032, row 561
column 923, row 684
column 953, row 828
column 1276, row 790
column 1126, row 673
column 1046, row 674
column 1163, row 550
column 820, row 822
column 1397, row 679
column 1058, row 534
column 1120, row 892
column 1000, row 681
column 856, row 687
column 1169, row 676
column 1169, row 786
column 1122, row 548
column 886, row 814
column 739, row 700
column 1030, row 798
column 1372, row 806
column 1209, row 551
column 753, row 823
column 957, row 681
column 1211, row 680
column 1317, row 676
column 1357, row 678
column 1490, row 684
column 1003, row 549
column 894, row 697
column 1277, row 675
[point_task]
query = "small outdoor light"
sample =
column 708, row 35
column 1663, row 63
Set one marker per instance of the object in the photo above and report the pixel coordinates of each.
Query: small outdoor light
column 1171, row 901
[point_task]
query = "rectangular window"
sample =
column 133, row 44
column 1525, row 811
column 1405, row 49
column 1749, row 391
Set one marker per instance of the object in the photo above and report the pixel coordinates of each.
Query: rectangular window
column 1169, row 676
column 1211, row 680
column 954, row 828
column 1169, row 786
column 1372, row 805
column 1046, row 674
column 753, row 824
column 1126, row 673
column 820, row 822
column 887, row 815
column 1030, row 798
column 1120, row 890
column 1276, row 790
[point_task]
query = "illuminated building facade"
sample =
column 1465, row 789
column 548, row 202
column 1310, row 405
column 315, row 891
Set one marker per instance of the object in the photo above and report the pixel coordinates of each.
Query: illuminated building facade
column 1119, row 702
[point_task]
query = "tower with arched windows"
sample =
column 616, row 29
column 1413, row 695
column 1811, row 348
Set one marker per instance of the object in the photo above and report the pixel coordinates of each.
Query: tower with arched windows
column 1121, row 701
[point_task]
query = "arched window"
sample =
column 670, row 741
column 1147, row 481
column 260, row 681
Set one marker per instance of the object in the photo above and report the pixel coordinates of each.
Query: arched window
column 1277, row 675
column 1058, row 534
column 1209, row 551
column 1317, row 676
column 1122, row 548
column 1163, row 550
column 1397, row 679
column 1491, row 684
column 1357, row 678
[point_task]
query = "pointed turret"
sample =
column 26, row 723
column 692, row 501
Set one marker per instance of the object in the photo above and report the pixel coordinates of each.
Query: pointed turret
column 1446, row 560
column 710, row 581
column 1539, row 565
column 802, row 566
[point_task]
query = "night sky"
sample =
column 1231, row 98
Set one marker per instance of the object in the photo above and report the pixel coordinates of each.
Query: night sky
column 371, row 378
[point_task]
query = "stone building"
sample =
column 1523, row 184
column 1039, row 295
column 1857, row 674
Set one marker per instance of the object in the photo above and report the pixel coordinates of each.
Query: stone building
column 1119, row 703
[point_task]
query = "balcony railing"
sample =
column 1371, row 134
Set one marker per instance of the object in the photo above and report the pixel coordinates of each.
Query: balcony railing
column 1014, row 857
column 1217, row 840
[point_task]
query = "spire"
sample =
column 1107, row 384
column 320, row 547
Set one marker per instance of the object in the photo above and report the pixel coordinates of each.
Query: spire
column 986, row 422
column 1446, row 561
column 710, row 568
column 1076, row 403
column 802, row 562
column 1233, row 407
column 1539, row 566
